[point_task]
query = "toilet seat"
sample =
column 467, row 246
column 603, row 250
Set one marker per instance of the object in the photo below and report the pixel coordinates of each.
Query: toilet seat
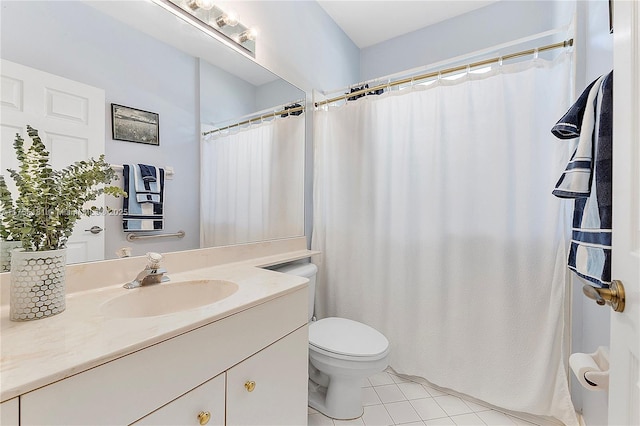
column 347, row 339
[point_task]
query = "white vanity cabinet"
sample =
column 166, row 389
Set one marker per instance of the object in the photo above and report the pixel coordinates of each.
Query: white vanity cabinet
column 184, row 375
column 203, row 405
column 9, row 413
column 270, row 396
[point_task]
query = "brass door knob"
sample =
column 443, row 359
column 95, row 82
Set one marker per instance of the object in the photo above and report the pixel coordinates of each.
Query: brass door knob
column 614, row 295
column 250, row 385
column 204, row 417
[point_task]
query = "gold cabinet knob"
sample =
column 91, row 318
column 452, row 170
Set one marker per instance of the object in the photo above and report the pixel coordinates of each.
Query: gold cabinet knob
column 204, row 417
column 250, row 385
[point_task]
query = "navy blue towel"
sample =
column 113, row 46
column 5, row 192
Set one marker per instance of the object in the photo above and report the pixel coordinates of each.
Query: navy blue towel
column 590, row 251
column 148, row 174
column 568, row 127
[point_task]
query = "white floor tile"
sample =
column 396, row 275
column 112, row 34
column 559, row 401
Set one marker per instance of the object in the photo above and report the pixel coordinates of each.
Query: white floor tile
column 414, row 424
column 495, row 418
column 370, row 397
column 379, row 379
column 467, row 419
column 413, row 390
column 444, row 421
column 402, row 412
column 453, row 405
column 312, row 410
column 354, row 422
column 428, row 409
column 319, row 420
column 389, row 393
column 376, row 415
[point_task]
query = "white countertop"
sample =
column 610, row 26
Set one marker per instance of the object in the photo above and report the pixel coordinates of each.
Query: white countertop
column 37, row 353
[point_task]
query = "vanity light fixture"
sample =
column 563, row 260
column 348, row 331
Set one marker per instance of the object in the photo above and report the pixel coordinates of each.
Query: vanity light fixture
column 215, row 22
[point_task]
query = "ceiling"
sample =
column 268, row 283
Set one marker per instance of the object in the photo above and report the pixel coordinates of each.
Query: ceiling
column 373, row 21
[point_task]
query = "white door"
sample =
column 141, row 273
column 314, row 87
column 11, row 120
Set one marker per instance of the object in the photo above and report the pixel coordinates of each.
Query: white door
column 69, row 117
column 624, row 392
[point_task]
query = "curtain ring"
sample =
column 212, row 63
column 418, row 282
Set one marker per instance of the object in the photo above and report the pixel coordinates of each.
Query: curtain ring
column 412, row 82
column 468, row 69
column 535, row 53
column 500, row 61
column 439, row 76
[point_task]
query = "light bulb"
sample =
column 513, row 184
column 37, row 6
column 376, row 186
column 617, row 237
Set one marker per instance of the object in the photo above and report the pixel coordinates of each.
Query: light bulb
column 200, row 4
column 230, row 19
column 246, row 35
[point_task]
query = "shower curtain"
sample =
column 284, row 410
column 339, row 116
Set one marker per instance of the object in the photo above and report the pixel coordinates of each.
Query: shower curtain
column 252, row 183
column 434, row 215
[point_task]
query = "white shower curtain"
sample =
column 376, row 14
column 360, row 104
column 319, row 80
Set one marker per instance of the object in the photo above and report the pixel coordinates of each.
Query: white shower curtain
column 434, row 215
column 252, row 183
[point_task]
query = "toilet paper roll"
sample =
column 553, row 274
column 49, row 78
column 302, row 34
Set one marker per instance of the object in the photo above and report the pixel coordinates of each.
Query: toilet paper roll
column 584, row 364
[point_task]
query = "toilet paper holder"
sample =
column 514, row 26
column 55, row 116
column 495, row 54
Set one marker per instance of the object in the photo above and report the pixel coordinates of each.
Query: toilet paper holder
column 613, row 296
column 593, row 373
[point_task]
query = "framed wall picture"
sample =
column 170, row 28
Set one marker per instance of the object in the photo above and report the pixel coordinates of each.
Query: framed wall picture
column 135, row 125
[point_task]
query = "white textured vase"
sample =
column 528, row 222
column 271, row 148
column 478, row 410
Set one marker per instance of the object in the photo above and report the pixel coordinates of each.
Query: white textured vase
column 37, row 284
column 5, row 254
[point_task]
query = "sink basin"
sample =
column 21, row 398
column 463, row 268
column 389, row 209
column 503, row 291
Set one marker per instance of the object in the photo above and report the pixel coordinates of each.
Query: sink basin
column 168, row 298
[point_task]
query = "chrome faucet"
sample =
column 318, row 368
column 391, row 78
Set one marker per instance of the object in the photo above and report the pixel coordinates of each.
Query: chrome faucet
column 151, row 274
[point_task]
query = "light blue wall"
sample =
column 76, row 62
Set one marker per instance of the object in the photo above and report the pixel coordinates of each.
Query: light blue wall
column 223, row 95
column 489, row 26
column 298, row 41
column 591, row 322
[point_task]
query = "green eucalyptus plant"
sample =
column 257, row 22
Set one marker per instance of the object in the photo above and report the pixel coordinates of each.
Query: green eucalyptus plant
column 49, row 202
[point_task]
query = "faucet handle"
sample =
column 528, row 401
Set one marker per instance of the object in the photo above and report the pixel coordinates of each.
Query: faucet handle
column 154, row 259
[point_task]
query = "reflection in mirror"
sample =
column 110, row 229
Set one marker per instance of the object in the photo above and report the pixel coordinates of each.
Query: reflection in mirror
column 140, row 55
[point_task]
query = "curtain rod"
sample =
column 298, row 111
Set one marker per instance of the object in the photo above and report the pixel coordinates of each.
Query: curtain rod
column 259, row 118
column 363, row 91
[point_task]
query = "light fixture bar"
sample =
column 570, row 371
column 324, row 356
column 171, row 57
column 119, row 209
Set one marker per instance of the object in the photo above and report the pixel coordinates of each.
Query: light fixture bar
column 211, row 20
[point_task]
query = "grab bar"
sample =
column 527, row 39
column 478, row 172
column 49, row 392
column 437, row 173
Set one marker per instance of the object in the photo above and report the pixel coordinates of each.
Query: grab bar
column 133, row 237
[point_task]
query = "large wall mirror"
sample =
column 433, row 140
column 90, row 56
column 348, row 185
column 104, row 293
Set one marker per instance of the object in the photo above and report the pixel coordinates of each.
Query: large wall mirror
column 243, row 184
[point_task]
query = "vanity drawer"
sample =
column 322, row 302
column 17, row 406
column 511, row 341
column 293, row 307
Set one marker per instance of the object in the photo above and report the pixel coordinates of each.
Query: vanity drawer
column 206, row 402
column 128, row 388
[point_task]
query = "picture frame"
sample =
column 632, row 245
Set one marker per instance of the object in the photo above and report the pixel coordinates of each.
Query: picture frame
column 135, row 125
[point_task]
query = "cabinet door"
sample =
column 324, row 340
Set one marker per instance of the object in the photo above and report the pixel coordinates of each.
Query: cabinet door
column 9, row 414
column 203, row 405
column 270, row 388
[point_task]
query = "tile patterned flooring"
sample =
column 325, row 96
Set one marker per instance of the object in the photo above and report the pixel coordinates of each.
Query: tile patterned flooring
column 392, row 400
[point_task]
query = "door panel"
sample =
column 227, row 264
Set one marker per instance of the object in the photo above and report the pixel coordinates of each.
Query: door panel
column 624, row 392
column 69, row 117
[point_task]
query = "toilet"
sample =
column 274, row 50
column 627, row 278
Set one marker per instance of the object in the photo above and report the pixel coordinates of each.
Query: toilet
column 342, row 354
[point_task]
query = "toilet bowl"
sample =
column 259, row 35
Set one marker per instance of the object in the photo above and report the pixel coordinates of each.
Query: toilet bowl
column 342, row 354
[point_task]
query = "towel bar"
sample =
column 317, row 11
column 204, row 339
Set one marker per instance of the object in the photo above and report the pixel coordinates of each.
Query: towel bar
column 169, row 173
column 133, row 237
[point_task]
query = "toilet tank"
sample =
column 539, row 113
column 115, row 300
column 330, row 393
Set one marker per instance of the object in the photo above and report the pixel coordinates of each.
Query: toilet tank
column 306, row 270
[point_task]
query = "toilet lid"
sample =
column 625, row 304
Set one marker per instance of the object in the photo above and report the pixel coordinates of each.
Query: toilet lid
column 347, row 337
